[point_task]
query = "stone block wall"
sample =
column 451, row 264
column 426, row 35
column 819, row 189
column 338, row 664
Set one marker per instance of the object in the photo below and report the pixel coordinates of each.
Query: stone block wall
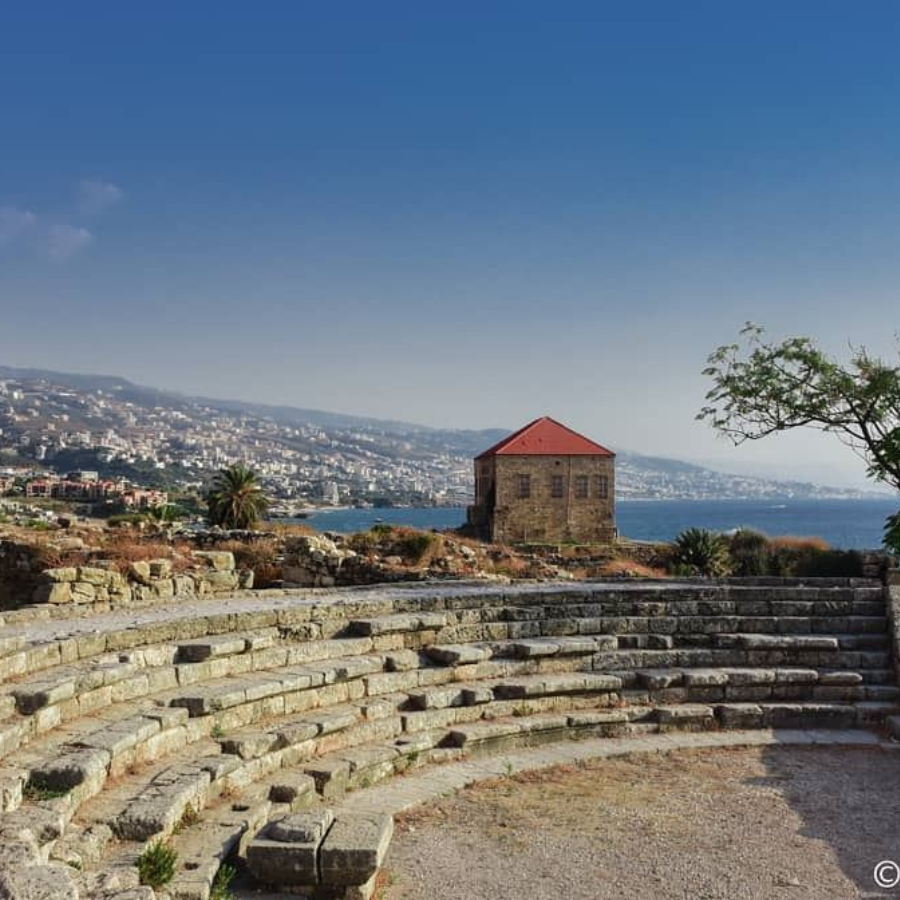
column 318, row 561
column 104, row 585
column 545, row 517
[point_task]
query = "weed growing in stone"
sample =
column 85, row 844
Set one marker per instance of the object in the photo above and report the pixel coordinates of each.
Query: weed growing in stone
column 222, row 881
column 156, row 865
column 36, row 791
column 189, row 817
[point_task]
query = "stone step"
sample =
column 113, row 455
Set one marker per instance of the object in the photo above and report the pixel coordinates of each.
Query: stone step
column 226, row 693
column 397, row 623
column 614, row 660
column 787, row 715
column 201, row 649
column 203, row 848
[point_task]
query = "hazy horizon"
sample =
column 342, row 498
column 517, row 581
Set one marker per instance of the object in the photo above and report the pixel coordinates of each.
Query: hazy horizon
column 461, row 217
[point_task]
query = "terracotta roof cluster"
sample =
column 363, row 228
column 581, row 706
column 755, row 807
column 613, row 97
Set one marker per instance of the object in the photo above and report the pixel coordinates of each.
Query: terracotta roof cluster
column 545, row 437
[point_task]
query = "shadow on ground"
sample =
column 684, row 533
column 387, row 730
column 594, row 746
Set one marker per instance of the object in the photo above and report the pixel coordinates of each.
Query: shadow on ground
column 849, row 799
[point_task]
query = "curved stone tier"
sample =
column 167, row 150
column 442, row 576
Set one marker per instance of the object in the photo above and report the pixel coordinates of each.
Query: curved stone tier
column 201, row 722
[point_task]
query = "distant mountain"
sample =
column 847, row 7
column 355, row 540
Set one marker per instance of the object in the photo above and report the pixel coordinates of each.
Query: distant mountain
column 167, row 435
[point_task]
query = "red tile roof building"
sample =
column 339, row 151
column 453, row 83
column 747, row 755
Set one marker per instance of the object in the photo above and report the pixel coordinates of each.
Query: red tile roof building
column 545, row 483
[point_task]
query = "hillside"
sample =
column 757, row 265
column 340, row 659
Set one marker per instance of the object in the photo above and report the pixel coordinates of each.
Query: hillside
column 163, row 438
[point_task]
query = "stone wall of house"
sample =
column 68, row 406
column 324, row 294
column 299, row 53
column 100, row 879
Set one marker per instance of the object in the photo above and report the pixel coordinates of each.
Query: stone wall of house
column 544, row 517
column 103, row 585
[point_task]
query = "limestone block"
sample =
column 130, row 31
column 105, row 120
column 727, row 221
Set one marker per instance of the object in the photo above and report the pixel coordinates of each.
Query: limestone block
column 67, row 573
column 83, row 591
column 354, row 849
column 218, row 580
column 294, row 788
column 221, row 561
column 249, row 746
column 92, row 575
column 160, row 568
column 330, row 775
column 139, row 571
column 40, row 822
column 50, row 882
column 70, row 768
column 18, row 851
column 301, row 828
column 36, row 695
column 54, row 592
column 457, row 654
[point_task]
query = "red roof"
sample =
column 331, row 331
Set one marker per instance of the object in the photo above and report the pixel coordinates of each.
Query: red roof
column 545, row 437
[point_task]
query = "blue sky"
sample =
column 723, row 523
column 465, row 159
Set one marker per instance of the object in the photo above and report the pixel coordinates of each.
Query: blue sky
column 461, row 214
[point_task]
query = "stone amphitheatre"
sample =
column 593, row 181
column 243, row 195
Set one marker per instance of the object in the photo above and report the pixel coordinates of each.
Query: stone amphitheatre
column 279, row 731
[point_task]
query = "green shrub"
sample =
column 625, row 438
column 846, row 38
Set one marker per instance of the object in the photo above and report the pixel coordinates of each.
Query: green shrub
column 156, row 865
column 750, row 552
column 363, row 541
column 126, row 519
column 221, row 883
column 38, row 525
column 701, row 552
column 829, row 564
column 416, row 545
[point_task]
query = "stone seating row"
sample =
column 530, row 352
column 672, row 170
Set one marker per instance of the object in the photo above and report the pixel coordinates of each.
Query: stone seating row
column 326, row 617
column 55, row 696
column 294, row 689
column 158, row 806
column 353, row 710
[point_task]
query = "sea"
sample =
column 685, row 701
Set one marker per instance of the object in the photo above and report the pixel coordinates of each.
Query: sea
column 848, row 524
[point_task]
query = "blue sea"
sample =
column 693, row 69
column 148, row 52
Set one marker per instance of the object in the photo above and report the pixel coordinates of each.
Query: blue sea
column 849, row 524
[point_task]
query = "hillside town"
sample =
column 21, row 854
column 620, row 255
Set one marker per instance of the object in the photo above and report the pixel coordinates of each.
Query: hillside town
column 108, row 447
column 136, row 452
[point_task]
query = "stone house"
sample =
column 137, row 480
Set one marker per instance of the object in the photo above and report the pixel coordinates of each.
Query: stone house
column 544, row 483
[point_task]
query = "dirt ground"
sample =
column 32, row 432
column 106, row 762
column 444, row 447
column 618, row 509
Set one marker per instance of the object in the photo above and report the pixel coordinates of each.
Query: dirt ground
column 792, row 823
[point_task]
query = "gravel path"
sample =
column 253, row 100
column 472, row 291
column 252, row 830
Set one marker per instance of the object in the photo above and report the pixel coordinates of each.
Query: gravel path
column 800, row 823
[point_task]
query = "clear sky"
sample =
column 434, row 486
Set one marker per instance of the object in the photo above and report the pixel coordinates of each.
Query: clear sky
column 462, row 214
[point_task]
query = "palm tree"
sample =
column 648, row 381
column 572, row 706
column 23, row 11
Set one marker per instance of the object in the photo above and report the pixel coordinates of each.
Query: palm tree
column 236, row 499
column 701, row 552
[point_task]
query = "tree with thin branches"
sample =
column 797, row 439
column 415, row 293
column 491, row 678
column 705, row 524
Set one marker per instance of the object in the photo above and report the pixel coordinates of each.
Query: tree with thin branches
column 763, row 388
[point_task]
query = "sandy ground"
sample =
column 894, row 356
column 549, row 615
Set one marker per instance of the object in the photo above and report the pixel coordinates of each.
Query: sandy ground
column 793, row 823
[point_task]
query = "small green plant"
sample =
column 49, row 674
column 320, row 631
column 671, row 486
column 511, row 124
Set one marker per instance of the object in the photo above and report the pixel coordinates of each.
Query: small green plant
column 705, row 552
column 38, row 525
column 221, row 883
column 189, row 817
column 218, row 732
column 156, row 865
column 35, row 790
column 507, row 768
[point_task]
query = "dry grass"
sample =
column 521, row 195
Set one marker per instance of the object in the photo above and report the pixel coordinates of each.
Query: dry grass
column 630, row 568
column 291, row 529
column 795, row 542
column 260, row 556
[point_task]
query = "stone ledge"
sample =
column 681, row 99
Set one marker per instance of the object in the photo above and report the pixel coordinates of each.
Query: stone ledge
column 323, row 855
